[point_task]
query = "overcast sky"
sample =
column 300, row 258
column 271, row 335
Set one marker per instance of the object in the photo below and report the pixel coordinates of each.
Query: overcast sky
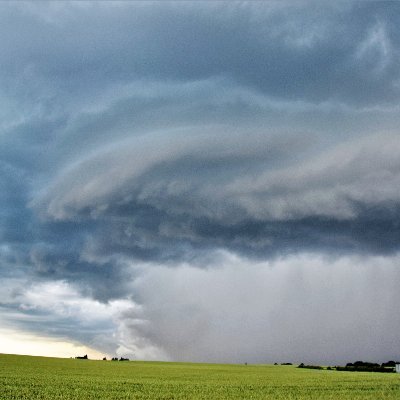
column 201, row 181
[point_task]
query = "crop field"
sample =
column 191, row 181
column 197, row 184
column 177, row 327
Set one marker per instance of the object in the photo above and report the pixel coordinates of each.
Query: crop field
column 24, row 377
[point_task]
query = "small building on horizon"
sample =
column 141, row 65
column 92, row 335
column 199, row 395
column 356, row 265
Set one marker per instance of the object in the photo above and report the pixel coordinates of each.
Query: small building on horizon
column 398, row 368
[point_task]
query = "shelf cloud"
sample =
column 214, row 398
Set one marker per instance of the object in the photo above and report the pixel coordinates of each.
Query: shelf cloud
column 198, row 181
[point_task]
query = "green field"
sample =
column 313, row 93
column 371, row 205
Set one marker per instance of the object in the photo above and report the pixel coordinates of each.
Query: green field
column 24, row 377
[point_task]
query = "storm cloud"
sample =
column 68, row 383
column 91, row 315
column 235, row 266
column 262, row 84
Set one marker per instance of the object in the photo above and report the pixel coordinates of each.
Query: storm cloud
column 171, row 169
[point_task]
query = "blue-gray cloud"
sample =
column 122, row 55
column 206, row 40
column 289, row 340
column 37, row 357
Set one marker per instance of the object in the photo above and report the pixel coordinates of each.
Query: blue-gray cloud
column 346, row 52
column 143, row 134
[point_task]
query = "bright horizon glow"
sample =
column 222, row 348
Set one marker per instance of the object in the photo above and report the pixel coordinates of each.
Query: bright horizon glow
column 17, row 342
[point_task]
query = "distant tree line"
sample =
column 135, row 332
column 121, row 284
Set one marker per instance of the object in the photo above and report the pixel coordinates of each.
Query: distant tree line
column 302, row 365
column 85, row 357
column 361, row 366
column 358, row 366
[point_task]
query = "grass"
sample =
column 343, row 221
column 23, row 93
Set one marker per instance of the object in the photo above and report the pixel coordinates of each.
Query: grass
column 24, row 377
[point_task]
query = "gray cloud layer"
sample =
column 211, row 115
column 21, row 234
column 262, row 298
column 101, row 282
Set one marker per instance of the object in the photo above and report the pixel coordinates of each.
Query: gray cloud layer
column 137, row 137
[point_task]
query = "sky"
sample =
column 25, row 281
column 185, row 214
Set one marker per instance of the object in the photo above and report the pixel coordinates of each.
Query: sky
column 200, row 181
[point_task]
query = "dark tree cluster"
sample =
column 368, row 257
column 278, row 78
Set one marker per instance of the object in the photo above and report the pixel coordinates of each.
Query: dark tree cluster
column 361, row 366
column 358, row 366
column 302, row 365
